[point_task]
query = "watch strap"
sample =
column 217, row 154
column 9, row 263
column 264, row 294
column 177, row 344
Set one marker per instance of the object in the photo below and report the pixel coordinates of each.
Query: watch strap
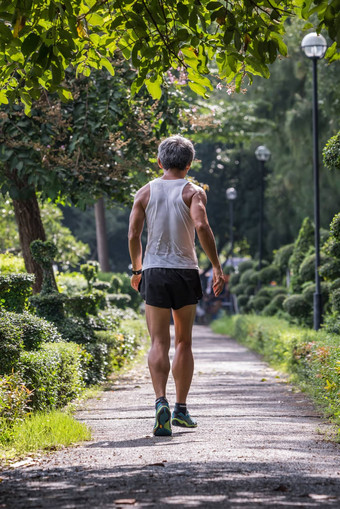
column 136, row 272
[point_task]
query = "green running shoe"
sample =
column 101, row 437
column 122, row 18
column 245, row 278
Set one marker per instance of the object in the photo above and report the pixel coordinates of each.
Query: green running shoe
column 184, row 421
column 163, row 421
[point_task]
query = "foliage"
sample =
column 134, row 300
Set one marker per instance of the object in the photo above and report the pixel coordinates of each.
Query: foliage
column 9, row 264
column 49, row 306
column 245, row 265
column 15, row 290
column 53, row 373
column 44, row 252
column 11, row 343
column 302, row 246
column 243, row 38
column 14, row 400
column 90, row 271
column 34, row 330
column 70, row 250
column 298, row 307
column 269, row 274
column 331, row 153
column 282, row 256
column 83, row 305
column 313, row 357
column 71, row 282
column 336, row 300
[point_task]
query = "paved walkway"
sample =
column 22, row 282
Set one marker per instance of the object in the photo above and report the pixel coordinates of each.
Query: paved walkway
column 257, row 445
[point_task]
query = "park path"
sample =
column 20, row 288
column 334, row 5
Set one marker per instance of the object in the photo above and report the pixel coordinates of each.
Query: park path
column 258, row 444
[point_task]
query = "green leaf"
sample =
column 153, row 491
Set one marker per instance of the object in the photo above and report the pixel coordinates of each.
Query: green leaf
column 30, row 44
column 64, row 94
column 104, row 62
column 3, row 97
column 154, row 88
column 5, row 32
column 197, row 88
column 228, row 36
column 183, row 12
column 56, row 74
column 212, row 6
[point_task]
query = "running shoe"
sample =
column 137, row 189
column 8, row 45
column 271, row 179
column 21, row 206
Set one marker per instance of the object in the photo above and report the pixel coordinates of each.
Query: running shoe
column 183, row 420
column 163, row 421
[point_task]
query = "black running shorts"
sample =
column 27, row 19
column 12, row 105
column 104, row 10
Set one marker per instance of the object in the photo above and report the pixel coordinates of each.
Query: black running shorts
column 170, row 288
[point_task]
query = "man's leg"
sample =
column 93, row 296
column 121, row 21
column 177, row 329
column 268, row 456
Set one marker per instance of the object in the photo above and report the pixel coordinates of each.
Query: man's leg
column 183, row 362
column 158, row 322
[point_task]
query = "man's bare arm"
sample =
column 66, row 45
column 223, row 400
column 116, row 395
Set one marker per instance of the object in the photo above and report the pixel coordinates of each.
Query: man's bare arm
column 136, row 223
column 206, row 237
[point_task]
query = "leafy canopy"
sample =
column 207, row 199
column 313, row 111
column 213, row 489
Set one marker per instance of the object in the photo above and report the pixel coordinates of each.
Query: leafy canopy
column 39, row 39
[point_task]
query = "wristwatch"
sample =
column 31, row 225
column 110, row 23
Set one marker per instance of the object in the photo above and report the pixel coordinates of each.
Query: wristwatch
column 136, row 272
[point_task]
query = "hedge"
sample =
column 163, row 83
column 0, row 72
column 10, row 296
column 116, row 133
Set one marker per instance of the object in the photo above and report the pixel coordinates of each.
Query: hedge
column 55, row 374
column 312, row 357
column 15, row 290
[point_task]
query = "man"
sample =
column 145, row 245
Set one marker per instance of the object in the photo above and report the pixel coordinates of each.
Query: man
column 168, row 278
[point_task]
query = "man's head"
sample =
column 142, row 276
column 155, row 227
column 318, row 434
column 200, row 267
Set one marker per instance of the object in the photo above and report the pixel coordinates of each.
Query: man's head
column 176, row 152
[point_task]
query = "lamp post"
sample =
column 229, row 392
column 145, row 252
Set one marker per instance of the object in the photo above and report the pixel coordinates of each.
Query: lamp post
column 314, row 47
column 231, row 196
column 262, row 154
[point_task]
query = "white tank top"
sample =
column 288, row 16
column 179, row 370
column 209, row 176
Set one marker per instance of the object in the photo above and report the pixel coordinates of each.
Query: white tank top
column 171, row 231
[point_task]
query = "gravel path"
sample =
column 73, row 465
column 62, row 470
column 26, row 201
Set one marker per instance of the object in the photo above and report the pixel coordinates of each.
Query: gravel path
column 258, row 444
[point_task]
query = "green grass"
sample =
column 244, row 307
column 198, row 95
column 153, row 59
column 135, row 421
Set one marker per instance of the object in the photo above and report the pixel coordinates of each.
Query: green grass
column 42, row 432
column 312, row 358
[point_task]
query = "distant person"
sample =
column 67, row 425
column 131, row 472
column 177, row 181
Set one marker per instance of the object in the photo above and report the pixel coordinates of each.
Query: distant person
column 168, row 279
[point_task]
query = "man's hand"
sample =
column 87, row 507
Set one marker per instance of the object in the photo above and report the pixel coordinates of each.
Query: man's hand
column 135, row 280
column 218, row 281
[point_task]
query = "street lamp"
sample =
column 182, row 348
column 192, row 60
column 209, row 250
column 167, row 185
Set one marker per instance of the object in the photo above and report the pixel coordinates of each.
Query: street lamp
column 314, row 47
column 262, row 154
column 231, row 196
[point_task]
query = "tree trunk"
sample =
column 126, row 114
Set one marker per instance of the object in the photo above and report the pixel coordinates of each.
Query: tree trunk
column 103, row 256
column 28, row 218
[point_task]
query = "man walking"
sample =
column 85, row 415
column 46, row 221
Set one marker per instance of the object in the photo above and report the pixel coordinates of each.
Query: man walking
column 168, row 279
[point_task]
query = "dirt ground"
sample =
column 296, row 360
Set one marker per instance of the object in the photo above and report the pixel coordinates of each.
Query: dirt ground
column 257, row 444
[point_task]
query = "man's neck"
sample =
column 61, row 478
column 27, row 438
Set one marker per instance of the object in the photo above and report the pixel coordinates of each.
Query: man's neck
column 174, row 174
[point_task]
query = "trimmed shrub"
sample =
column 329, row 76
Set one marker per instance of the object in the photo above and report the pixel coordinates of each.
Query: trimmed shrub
column 15, row 290
column 335, row 285
column 71, row 282
column 49, row 306
column 234, row 280
column 242, row 300
column 282, row 255
column 303, row 244
column 330, row 270
column 14, row 402
column 35, row 331
column 243, row 266
column 246, row 276
column 336, row 300
column 309, row 291
column 259, row 302
column 120, row 300
column 307, row 268
column 332, row 247
column 335, row 227
column 275, row 305
column 76, row 330
column 53, row 373
column 269, row 274
column 11, row 343
column 97, row 364
column 331, row 153
column 90, row 272
column 297, row 306
column 239, row 289
column 250, row 290
column 83, row 305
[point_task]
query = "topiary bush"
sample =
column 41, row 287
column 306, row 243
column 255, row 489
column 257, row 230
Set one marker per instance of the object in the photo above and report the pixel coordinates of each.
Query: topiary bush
column 11, row 343
column 234, row 280
column 269, row 274
column 87, row 304
column 275, row 305
column 335, row 299
column 120, row 300
column 34, row 330
column 14, row 403
column 49, row 306
column 281, row 257
column 246, row 276
column 15, row 290
column 243, row 266
column 44, row 252
column 297, row 307
column 302, row 246
column 259, row 302
column 330, row 270
column 54, row 374
column 90, row 272
column 242, row 300
column 239, row 289
column 331, row 153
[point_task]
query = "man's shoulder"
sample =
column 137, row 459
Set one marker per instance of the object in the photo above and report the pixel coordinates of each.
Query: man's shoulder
column 143, row 194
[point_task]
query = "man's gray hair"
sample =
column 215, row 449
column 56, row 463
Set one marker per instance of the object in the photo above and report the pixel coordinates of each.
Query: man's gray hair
column 176, row 152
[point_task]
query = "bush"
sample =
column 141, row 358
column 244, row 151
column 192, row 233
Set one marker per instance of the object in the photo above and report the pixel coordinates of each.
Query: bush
column 269, row 274
column 239, row 289
column 309, row 290
column 332, row 247
column 246, row 276
column 10, row 264
column 275, row 305
column 234, row 280
column 259, row 302
column 83, row 305
column 35, row 330
column 297, row 307
column 307, row 268
column 11, row 343
column 71, row 282
column 330, row 270
column 336, row 300
column 97, row 365
column 120, row 300
column 76, row 330
column 335, row 227
column 282, row 255
column 302, row 246
column 242, row 300
column 335, row 285
column 331, row 153
column 90, row 272
column 14, row 399
column 54, row 374
column 15, row 290
column 122, row 347
column 243, row 266
column 49, row 306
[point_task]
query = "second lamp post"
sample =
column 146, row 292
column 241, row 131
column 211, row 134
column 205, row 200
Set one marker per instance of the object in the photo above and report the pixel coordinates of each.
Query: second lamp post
column 262, row 154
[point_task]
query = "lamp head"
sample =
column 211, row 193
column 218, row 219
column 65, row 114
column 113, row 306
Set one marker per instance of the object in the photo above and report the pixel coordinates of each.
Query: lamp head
column 314, row 45
column 231, row 193
column 262, row 153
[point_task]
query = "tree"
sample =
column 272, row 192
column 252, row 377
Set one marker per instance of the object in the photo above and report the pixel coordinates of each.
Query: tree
column 40, row 39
